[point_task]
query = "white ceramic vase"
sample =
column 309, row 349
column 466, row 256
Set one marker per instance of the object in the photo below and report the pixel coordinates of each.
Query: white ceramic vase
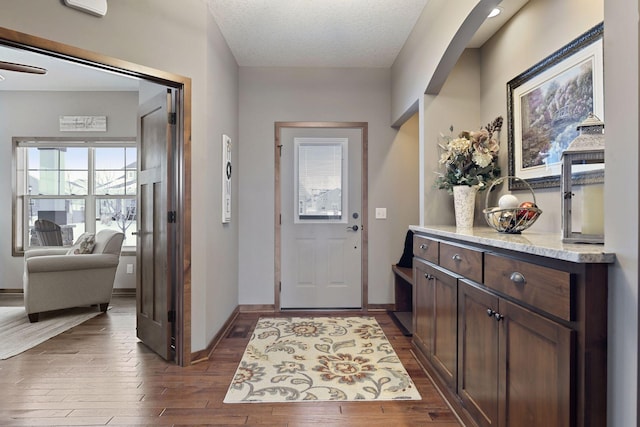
column 464, row 203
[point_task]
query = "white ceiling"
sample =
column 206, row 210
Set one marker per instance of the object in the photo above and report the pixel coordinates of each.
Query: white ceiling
column 284, row 33
column 327, row 33
column 313, row 33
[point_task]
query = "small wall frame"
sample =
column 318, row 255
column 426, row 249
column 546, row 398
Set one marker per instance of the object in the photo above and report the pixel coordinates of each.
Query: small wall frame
column 226, row 179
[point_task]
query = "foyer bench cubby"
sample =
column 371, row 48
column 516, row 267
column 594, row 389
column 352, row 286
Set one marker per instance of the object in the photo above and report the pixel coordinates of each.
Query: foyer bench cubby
column 403, row 287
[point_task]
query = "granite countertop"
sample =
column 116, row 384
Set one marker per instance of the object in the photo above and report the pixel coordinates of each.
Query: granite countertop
column 530, row 242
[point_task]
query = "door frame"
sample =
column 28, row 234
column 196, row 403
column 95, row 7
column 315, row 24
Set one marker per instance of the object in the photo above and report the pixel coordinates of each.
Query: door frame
column 364, row 128
column 180, row 186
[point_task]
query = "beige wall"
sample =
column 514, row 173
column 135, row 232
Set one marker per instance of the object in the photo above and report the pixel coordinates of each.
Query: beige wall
column 508, row 54
column 621, row 57
column 397, row 180
column 268, row 95
column 457, row 105
column 539, row 29
column 181, row 40
column 433, row 47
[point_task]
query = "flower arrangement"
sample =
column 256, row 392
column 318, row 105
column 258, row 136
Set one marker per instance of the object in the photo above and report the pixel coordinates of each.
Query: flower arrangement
column 471, row 158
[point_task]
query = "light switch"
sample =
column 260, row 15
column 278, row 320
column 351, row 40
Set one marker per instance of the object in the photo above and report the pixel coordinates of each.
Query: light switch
column 381, row 213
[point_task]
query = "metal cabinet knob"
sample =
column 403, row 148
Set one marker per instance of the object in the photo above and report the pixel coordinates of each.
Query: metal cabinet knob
column 490, row 312
column 518, row 278
column 456, row 257
column 498, row 316
column 429, row 276
column 424, row 246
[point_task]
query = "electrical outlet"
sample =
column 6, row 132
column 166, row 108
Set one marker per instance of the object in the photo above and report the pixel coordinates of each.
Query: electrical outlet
column 129, row 268
column 381, row 213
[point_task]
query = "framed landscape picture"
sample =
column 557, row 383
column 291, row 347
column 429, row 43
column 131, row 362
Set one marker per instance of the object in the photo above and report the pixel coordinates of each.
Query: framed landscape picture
column 545, row 105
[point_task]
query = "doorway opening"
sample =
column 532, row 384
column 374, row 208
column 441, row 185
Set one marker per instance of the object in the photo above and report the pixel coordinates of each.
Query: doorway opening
column 178, row 185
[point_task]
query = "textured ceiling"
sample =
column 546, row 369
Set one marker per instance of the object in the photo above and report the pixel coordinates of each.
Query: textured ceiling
column 316, row 33
column 281, row 33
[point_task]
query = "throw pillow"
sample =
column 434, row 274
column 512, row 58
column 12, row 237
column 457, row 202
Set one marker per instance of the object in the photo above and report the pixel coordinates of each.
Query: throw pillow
column 84, row 245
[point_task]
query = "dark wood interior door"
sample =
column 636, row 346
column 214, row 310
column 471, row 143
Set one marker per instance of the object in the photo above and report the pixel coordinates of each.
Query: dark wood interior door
column 154, row 298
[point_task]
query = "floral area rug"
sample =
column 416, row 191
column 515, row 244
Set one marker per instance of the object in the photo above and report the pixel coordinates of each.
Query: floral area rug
column 319, row 358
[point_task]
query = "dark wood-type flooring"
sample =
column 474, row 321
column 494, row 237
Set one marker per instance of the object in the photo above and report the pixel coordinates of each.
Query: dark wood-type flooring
column 98, row 373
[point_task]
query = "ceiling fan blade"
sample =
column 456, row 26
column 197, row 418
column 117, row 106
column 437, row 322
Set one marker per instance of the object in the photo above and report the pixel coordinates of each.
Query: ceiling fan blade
column 21, row 68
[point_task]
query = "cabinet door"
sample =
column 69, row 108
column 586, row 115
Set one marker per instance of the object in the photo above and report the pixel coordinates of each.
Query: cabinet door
column 478, row 354
column 535, row 372
column 445, row 325
column 422, row 307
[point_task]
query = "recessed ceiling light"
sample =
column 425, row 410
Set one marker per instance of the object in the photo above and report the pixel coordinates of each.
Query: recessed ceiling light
column 495, row 12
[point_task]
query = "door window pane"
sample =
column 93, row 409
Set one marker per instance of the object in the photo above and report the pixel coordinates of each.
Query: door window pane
column 320, row 179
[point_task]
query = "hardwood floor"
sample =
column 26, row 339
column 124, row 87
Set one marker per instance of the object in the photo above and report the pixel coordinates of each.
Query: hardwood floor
column 98, row 373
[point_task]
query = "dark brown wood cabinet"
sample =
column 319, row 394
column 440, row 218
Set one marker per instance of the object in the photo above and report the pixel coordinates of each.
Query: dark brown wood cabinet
column 513, row 339
column 437, row 318
column 513, row 365
column 422, row 307
column 478, row 354
column 534, row 370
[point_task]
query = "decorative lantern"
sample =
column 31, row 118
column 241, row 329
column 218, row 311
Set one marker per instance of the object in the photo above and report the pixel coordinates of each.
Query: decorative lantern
column 583, row 166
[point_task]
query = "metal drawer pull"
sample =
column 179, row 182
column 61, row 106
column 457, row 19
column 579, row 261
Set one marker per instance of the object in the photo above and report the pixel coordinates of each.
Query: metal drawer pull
column 424, row 246
column 456, row 257
column 518, row 278
column 494, row 314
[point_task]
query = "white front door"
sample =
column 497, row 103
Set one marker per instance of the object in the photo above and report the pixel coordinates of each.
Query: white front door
column 321, row 218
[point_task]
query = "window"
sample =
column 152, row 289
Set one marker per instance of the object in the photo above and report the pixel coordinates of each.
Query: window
column 321, row 179
column 80, row 184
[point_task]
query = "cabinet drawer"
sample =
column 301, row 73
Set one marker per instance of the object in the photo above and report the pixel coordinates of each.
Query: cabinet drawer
column 541, row 287
column 464, row 261
column 425, row 248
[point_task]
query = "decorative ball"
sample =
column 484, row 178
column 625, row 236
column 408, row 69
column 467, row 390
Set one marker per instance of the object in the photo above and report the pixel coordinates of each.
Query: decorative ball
column 507, row 221
column 525, row 212
column 508, row 201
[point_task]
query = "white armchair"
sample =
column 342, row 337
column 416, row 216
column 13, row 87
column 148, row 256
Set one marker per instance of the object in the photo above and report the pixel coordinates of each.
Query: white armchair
column 55, row 279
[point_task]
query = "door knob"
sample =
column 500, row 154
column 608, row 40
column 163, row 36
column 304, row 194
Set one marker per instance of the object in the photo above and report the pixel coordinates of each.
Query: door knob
column 353, row 228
